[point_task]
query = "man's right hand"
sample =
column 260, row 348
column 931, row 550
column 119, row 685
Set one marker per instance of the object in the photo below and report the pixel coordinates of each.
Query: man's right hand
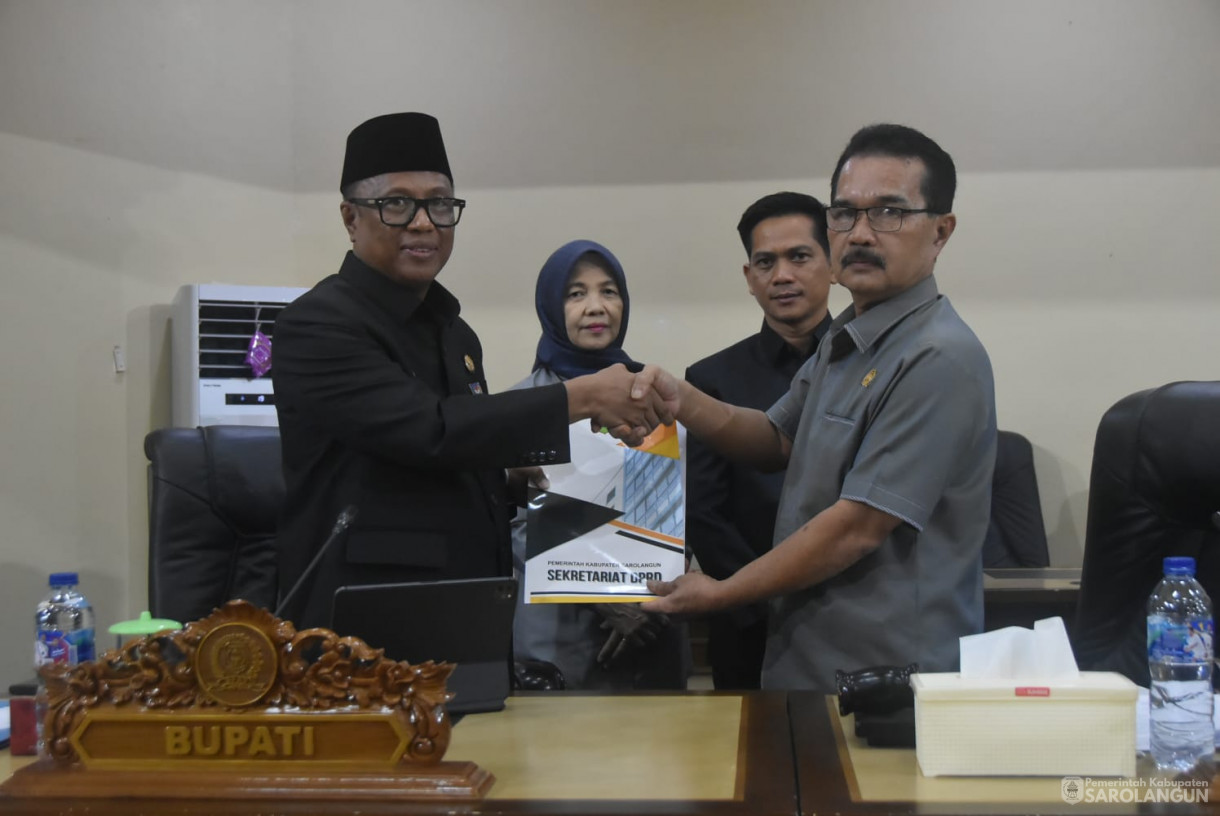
column 665, row 385
column 659, row 386
column 613, row 399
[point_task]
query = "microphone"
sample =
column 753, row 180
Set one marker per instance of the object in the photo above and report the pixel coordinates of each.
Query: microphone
column 345, row 519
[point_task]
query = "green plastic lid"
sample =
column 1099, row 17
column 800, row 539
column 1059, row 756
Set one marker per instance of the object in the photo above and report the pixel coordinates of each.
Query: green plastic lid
column 146, row 624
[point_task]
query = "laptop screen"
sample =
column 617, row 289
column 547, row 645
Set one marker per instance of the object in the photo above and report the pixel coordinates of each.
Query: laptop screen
column 468, row 622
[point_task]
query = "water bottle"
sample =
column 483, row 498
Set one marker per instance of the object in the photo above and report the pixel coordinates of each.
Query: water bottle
column 63, row 634
column 1180, row 628
column 63, row 624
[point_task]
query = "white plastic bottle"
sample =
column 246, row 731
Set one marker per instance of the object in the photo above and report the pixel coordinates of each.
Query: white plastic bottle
column 1180, row 629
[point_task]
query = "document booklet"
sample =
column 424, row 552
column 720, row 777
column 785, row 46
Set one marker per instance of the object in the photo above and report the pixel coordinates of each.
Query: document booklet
column 612, row 520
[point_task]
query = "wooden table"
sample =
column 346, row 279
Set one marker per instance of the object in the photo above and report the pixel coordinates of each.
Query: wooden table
column 763, row 753
column 838, row 773
column 568, row 753
column 1018, row 597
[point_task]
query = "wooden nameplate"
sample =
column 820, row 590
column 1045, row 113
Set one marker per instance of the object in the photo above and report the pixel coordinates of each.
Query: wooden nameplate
column 241, row 705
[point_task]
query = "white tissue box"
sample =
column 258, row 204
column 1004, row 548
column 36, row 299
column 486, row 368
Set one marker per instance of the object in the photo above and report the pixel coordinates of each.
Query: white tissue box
column 1006, row 727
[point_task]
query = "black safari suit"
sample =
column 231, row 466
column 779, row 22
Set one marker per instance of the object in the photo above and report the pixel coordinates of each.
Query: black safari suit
column 383, row 405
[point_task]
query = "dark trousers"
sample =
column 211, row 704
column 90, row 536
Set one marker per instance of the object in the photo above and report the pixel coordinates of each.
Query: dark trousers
column 735, row 652
column 665, row 664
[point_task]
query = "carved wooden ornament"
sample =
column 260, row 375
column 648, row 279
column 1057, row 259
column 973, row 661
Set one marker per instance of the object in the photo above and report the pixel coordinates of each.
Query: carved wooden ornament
column 243, row 694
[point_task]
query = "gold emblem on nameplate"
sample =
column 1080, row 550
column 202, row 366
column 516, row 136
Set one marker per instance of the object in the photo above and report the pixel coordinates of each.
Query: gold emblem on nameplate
column 236, row 664
column 868, row 378
column 469, row 362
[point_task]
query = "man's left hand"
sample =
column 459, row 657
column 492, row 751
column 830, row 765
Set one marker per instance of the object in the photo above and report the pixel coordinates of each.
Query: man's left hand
column 521, row 479
column 691, row 594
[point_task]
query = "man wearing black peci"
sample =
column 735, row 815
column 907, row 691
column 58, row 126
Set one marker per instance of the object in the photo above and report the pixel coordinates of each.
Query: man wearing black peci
column 382, row 400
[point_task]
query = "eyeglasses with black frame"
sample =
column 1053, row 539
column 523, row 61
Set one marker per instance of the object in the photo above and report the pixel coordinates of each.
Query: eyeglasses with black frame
column 398, row 211
column 881, row 219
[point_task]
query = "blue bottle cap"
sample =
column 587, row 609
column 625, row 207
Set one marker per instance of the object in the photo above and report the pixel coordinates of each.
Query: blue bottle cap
column 1179, row 565
column 64, row 579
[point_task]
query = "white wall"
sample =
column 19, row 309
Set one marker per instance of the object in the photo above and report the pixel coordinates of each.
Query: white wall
column 144, row 146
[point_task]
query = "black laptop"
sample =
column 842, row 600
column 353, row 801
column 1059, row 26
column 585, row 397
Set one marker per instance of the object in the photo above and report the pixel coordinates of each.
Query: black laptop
column 468, row 622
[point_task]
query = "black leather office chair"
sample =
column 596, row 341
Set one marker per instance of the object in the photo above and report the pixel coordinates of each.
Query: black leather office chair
column 214, row 499
column 1016, row 536
column 1153, row 492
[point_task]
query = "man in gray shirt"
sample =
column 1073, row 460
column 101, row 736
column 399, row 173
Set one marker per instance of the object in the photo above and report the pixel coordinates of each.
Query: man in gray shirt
column 888, row 434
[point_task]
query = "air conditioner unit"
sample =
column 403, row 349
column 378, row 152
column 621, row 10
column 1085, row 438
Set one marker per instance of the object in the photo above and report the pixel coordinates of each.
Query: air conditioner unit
column 210, row 333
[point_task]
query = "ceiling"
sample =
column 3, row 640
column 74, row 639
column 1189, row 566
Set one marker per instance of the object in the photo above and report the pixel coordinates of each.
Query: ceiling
column 535, row 93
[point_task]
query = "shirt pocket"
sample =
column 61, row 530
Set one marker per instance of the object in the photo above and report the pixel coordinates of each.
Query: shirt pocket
column 830, row 444
column 838, row 419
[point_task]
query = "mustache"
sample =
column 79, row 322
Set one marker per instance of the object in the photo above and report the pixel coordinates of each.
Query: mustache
column 860, row 255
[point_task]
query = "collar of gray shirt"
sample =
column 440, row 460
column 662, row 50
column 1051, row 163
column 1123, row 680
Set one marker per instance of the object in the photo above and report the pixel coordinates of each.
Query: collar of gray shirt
column 867, row 329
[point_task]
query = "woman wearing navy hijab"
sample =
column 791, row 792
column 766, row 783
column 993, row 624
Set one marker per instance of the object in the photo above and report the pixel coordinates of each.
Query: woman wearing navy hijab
column 582, row 304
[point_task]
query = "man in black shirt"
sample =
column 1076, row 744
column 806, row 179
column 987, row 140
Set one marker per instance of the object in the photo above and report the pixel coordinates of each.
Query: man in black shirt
column 383, row 403
column 731, row 508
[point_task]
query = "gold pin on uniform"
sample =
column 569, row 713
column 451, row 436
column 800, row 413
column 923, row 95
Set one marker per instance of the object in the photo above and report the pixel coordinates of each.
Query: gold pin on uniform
column 469, row 362
column 868, row 378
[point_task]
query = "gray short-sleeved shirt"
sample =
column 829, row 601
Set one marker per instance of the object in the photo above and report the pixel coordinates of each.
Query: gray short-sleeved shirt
column 897, row 410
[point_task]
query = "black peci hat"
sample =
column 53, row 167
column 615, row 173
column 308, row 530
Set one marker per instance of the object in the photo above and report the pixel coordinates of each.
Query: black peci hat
column 394, row 143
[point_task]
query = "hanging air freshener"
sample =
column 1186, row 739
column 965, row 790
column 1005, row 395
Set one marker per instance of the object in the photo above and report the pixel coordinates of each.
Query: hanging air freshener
column 258, row 353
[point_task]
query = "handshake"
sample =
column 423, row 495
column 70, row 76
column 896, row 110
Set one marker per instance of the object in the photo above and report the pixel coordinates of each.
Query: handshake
column 628, row 404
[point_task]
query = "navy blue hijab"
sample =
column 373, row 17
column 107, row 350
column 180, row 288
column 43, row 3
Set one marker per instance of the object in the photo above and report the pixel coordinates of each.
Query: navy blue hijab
column 555, row 350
